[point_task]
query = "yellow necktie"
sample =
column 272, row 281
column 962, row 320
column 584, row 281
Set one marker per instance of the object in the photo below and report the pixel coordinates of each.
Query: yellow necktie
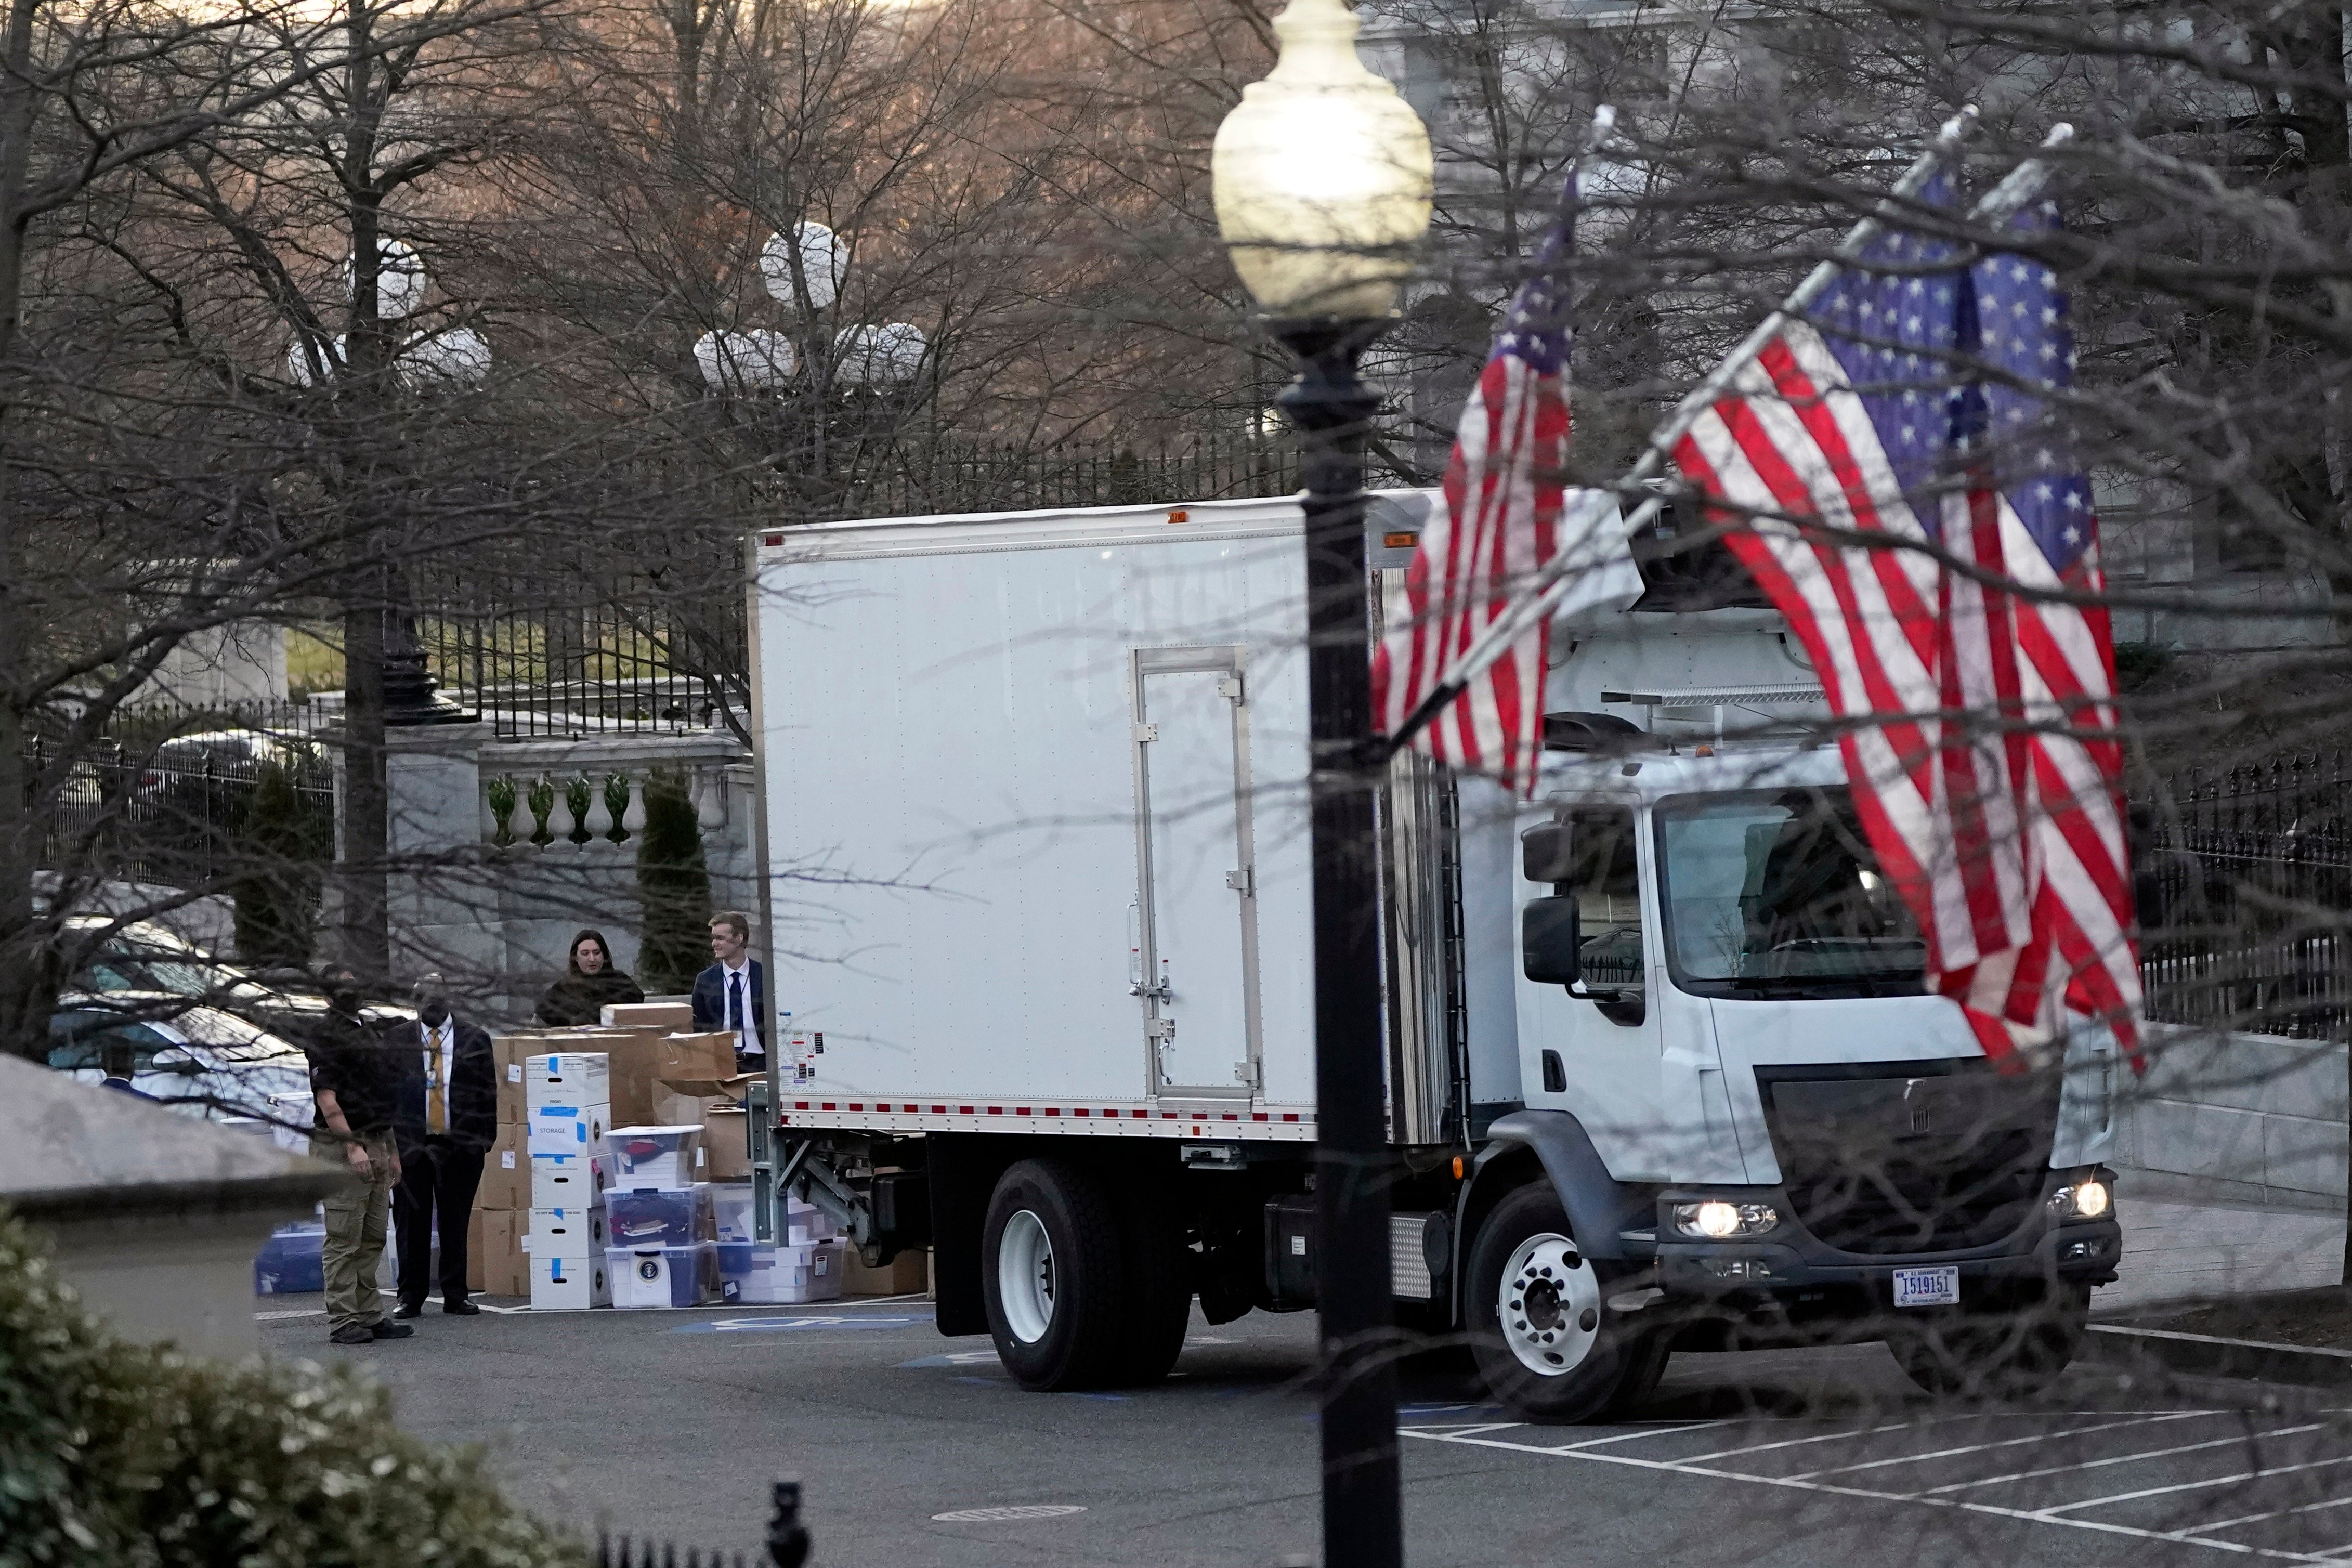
column 436, row 1097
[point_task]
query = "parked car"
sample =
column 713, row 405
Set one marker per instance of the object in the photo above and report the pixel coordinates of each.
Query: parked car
column 202, row 1061
column 144, row 956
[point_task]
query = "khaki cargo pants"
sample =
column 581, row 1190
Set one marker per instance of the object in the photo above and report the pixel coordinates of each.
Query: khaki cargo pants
column 353, row 1251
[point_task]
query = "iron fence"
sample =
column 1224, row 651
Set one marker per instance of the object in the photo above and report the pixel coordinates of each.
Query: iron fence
column 179, row 811
column 2243, row 882
column 655, row 641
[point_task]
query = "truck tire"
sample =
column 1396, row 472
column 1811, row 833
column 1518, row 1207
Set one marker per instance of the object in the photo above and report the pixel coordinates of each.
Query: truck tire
column 1053, row 1273
column 1548, row 1343
column 1996, row 1354
column 1159, row 1285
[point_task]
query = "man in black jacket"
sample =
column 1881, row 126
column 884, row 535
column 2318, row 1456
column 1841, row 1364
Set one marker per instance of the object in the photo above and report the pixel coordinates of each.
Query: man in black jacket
column 448, row 1119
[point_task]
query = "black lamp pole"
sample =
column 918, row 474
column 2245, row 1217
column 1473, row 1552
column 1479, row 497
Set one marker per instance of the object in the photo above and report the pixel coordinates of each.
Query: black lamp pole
column 1362, row 1525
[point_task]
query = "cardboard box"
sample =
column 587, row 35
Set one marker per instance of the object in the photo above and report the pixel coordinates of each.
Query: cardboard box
column 495, row 1264
column 726, row 1145
column 666, row 1016
column 566, row 1283
column 567, row 1078
column 664, row 1275
column 672, row 1109
column 569, row 1181
column 656, row 1156
column 506, row 1172
column 572, row 1129
column 908, row 1274
column 576, row 1233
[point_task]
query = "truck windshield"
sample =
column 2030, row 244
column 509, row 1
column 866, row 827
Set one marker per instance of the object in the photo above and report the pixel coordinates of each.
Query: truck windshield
column 1776, row 893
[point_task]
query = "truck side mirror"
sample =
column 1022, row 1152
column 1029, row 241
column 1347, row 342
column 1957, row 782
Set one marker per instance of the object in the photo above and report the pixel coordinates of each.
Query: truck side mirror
column 1545, row 853
column 1548, row 941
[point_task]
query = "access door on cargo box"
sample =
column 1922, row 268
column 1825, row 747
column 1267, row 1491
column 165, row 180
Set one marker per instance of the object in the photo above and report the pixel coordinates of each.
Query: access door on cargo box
column 1192, row 929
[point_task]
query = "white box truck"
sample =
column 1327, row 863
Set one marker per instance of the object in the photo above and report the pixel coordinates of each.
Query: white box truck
column 1659, row 1070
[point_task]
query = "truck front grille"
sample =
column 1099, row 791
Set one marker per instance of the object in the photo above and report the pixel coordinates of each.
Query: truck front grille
column 1910, row 1157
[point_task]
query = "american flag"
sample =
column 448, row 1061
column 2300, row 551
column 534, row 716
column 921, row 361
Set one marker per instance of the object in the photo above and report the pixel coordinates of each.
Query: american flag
column 1825, row 455
column 1501, row 520
column 2026, row 520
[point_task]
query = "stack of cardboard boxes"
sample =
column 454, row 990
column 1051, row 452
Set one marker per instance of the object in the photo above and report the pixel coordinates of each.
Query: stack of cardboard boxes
column 621, row 1177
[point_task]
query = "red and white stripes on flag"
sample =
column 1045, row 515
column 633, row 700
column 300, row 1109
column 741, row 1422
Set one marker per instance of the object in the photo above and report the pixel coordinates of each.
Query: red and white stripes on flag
column 1502, row 520
column 1975, row 719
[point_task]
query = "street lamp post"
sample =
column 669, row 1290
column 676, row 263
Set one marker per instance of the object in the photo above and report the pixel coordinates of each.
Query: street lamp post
column 1322, row 181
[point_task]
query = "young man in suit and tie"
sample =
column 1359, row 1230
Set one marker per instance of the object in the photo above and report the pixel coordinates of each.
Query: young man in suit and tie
column 731, row 993
column 449, row 1120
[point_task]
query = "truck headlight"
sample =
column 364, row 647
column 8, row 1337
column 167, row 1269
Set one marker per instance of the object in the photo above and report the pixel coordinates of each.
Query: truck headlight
column 1714, row 1219
column 2082, row 1200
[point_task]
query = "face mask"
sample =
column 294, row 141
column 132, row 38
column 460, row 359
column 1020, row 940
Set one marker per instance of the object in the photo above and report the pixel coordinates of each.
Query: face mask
column 343, row 998
column 433, row 1013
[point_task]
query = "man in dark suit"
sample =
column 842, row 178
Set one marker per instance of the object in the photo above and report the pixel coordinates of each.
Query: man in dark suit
column 449, row 1120
column 731, row 993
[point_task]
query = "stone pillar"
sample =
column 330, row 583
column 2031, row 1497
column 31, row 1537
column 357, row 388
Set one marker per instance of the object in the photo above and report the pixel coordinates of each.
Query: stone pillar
column 444, row 895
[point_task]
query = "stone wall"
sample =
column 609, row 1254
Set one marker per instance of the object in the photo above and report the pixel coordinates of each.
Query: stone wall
column 2233, row 1117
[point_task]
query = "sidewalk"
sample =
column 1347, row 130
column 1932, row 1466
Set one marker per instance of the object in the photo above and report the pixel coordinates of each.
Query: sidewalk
column 2183, row 1251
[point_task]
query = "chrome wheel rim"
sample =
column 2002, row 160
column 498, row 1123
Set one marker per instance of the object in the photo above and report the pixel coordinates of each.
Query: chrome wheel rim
column 1549, row 1304
column 1024, row 1277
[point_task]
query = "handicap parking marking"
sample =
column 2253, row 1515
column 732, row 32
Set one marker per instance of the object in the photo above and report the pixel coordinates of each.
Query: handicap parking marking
column 953, row 1358
column 801, row 1323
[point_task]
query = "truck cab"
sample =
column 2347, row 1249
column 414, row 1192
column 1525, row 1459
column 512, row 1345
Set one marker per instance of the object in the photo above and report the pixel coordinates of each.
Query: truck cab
column 1745, row 1121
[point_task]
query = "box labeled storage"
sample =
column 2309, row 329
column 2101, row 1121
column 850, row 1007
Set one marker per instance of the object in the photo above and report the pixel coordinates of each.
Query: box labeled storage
column 506, row 1171
column 656, row 1156
column 731, row 1210
column 648, row 1016
column 667, row 1217
column 569, row 1284
column 567, row 1078
column 664, row 1275
column 566, row 1233
column 726, row 1144
column 569, row 1181
column 569, row 1127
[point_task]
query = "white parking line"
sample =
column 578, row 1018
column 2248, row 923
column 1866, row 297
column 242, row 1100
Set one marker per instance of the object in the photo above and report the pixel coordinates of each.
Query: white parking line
column 2194, row 1486
column 2279, row 1513
column 2060, row 1517
column 1830, row 1437
column 2003, row 1442
column 2230, row 1441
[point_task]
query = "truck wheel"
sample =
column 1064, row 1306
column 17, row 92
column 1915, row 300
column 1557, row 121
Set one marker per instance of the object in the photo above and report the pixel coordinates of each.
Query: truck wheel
column 1159, row 1286
column 1997, row 1355
column 1547, row 1344
column 1050, row 1269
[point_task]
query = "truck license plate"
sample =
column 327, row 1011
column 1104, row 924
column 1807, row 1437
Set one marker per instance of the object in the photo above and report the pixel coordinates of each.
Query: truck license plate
column 1937, row 1286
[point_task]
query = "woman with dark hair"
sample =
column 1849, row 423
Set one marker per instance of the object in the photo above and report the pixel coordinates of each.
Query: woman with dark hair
column 588, row 985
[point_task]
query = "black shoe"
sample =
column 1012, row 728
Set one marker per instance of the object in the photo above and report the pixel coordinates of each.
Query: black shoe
column 408, row 1308
column 384, row 1329
column 352, row 1334
column 461, row 1308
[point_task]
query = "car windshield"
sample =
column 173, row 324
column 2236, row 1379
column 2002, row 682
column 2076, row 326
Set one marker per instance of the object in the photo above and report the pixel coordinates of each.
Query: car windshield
column 1777, row 892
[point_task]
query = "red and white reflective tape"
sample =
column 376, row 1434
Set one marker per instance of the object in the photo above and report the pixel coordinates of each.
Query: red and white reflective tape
column 1129, row 1120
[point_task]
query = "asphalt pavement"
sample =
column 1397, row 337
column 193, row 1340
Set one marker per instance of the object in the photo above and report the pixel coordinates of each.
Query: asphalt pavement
column 671, row 1424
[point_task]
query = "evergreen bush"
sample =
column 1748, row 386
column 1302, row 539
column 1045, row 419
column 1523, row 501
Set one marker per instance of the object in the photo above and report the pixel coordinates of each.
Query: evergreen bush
column 115, row 1455
column 284, row 841
column 673, row 887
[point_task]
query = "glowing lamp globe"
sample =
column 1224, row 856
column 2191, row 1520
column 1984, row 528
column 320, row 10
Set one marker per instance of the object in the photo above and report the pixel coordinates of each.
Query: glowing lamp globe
column 824, row 260
column 1322, row 175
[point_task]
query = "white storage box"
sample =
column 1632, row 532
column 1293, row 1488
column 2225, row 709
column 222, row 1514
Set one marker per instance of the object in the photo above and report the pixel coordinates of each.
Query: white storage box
column 731, row 1210
column 571, row 1128
column 575, row 1234
column 569, row 1284
column 569, row 1181
column 660, row 1218
column 806, row 1225
column 567, row 1078
column 755, row 1275
column 664, row 1275
column 656, row 1157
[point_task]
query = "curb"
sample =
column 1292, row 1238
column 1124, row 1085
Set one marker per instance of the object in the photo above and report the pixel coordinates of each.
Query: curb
column 2213, row 1357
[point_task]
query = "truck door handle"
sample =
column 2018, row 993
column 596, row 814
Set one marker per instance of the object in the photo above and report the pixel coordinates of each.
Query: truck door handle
column 1555, row 1076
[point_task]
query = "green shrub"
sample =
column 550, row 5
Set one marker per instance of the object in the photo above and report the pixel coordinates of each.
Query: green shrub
column 115, row 1456
column 674, row 888
column 283, row 841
